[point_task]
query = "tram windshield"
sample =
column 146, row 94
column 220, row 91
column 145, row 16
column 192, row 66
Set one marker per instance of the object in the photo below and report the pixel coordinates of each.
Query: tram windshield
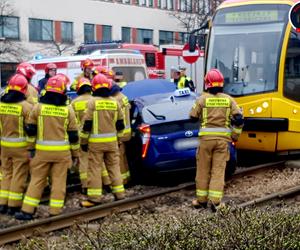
column 245, row 45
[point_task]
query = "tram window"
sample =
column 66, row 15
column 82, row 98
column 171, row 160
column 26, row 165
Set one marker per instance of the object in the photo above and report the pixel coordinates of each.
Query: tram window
column 291, row 87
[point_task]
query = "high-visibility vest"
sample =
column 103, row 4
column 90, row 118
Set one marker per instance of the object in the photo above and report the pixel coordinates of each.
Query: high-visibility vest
column 53, row 145
column 216, row 102
column 102, row 105
column 14, row 110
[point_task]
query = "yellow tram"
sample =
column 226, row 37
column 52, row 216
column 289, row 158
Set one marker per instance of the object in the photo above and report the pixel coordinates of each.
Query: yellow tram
column 258, row 51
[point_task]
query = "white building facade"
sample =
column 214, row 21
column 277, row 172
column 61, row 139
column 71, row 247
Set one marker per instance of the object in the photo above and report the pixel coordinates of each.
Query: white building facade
column 46, row 28
column 36, row 24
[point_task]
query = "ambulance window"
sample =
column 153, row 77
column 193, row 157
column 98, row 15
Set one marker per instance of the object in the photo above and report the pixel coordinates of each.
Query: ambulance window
column 131, row 73
column 150, row 59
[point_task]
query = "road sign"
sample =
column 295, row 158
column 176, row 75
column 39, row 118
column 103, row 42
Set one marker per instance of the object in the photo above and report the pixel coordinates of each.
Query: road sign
column 190, row 57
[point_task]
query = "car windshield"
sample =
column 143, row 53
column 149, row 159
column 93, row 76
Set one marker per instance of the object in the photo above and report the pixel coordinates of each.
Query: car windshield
column 167, row 111
column 245, row 44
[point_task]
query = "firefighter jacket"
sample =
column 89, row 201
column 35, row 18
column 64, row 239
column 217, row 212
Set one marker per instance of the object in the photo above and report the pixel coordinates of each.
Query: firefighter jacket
column 13, row 117
column 125, row 134
column 215, row 113
column 79, row 105
column 74, row 83
column 104, row 112
column 32, row 94
column 57, row 129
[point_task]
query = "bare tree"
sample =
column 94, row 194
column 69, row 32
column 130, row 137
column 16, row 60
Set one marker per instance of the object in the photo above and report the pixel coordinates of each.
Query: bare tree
column 193, row 14
column 60, row 48
column 10, row 49
column 56, row 47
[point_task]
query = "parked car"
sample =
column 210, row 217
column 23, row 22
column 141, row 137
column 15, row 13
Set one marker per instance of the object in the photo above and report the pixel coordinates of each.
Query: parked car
column 164, row 139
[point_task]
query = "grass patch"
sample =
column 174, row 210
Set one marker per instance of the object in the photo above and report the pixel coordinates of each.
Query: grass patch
column 227, row 229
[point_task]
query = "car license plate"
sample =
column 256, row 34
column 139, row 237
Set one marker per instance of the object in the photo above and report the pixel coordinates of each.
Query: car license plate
column 186, row 143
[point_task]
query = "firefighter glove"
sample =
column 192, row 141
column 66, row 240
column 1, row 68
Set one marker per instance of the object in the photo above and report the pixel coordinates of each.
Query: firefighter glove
column 120, row 125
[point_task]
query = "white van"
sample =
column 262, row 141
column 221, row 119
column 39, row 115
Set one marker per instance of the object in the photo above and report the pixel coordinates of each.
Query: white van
column 130, row 62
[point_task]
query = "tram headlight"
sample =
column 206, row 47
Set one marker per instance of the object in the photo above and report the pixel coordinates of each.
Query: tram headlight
column 265, row 105
column 251, row 111
column 295, row 111
column 259, row 109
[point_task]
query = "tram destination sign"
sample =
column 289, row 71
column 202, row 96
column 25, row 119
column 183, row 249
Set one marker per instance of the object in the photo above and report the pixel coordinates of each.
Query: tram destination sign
column 255, row 16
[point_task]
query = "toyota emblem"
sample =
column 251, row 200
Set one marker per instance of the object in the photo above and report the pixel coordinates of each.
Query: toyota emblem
column 188, row 133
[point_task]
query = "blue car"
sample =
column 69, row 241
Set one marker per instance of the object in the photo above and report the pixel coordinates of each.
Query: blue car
column 164, row 139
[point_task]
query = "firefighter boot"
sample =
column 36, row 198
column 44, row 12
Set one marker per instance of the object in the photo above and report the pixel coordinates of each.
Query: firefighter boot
column 13, row 210
column 88, row 203
column 3, row 209
column 196, row 204
column 23, row 216
column 119, row 196
column 216, row 207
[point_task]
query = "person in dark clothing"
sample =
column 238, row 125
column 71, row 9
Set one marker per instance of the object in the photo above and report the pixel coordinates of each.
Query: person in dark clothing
column 50, row 71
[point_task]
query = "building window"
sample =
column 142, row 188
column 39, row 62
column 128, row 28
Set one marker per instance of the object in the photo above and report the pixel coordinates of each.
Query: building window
column 89, row 32
column 170, row 5
column 183, row 38
column 40, row 30
column 165, row 37
column 106, row 33
column 9, row 27
column 167, row 4
column 144, row 36
column 126, row 34
column 163, row 4
column 66, row 32
column 142, row 2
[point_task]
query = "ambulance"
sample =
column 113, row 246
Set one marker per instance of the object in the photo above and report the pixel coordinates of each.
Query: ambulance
column 130, row 62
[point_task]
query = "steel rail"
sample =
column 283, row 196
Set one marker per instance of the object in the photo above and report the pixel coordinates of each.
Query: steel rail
column 19, row 232
column 277, row 195
column 40, row 226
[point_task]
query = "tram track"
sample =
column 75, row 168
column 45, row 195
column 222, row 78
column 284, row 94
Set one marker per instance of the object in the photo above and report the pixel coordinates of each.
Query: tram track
column 50, row 224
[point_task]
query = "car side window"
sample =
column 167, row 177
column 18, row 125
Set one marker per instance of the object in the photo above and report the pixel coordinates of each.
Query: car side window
column 135, row 115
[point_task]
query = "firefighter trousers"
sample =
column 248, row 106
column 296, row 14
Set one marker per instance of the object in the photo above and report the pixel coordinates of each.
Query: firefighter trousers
column 83, row 165
column 111, row 161
column 105, row 176
column 15, row 168
column 212, row 156
column 40, row 169
column 124, row 163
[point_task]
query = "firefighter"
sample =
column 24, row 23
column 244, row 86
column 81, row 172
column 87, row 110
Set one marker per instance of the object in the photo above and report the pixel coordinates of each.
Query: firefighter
column 119, row 79
column 50, row 70
column 79, row 104
column 27, row 70
column 221, row 123
column 125, row 134
column 87, row 71
column 103, row 70
column 180, row 79
column 14, row 113
column 55, row 126
column 101, row 122
column 109, row 74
